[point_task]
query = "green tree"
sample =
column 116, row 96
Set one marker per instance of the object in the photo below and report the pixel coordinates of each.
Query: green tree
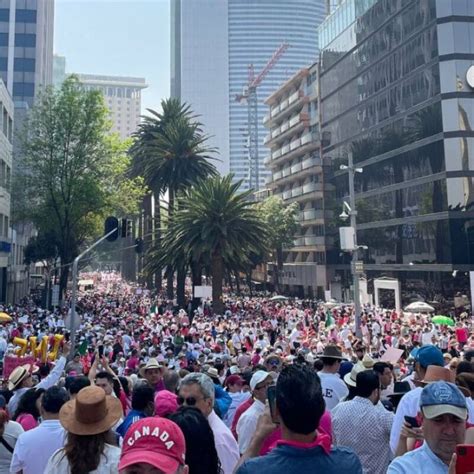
column 72, row 174
column 171, row 154
column 217, row 226
column 281, row 221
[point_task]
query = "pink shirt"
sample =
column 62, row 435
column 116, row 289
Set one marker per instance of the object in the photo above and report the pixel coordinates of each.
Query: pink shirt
column 272, row 439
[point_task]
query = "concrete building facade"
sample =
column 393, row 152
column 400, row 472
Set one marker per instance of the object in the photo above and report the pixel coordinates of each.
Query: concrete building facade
column 123, row 98
column 296, row 167
column 214, row 41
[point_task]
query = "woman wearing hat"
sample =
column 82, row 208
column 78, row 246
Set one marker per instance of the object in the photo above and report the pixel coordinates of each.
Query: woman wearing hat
column 87, row 420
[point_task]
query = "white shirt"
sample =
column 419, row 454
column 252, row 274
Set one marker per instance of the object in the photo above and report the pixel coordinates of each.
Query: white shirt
column 334, row 389
column 34, row 448
column 226, row 446
column 47, row 382
column 419, row 461
column 109, row 461
column 410, row 406
column 248, row 423
column 11, row 433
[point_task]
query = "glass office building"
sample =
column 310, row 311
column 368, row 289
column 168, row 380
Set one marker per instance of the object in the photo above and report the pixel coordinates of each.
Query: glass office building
column 212, row 44
column 395, row 91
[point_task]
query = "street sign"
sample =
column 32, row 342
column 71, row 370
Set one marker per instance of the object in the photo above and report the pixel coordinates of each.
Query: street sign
column 359, row 266
column 55, row 296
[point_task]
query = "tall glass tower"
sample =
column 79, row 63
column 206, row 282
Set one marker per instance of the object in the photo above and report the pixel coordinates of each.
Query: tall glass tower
column 213, row 43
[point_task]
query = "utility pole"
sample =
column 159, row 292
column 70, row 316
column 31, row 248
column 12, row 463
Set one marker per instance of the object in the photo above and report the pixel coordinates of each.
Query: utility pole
column 355, row 252
column 75, row 267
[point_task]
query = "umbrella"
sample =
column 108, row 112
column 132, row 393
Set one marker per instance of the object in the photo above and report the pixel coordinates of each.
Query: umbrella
column 278, row 298
column 440, row 319
column 419, row 307
column 5, row 318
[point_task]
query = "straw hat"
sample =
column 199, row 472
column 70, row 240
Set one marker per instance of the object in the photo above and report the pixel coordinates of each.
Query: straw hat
column 367, row 363
column 19, row 374
column 151, row 364
column 212, row 372
column 92, row 412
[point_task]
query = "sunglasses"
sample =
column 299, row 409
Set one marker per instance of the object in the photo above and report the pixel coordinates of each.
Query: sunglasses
column 190, row 401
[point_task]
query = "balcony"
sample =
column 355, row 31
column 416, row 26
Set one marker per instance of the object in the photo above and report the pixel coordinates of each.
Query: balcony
column 311, row 215
column 294, row 120
column 313, row 240
column 285, row 149
column 275, row 111
column 295, row 144
column 291, row 127
column 295, row 192
column 311, row 187
column 294, row 97
column 277, row 176
column 296, row 168
column 267, row 160
column 286, row 194
column 286, row 172
column 276, row 154
column 310, row 162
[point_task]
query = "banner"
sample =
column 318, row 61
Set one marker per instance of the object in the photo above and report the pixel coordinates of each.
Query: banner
column 11, row 362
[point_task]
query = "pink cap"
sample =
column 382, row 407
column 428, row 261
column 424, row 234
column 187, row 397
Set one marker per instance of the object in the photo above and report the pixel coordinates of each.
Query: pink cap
column 165, row 403
column 155, row 441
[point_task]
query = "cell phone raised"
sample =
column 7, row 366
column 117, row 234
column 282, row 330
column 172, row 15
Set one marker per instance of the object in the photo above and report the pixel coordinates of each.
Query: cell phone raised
column 465, row 458
column 101, row 351
column 271, row 394
column 413, row 422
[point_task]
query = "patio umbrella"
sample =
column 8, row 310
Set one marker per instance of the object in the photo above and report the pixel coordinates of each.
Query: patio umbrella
column 419, row 307
column 445, row 320
column 5, row 318
column 278, row 298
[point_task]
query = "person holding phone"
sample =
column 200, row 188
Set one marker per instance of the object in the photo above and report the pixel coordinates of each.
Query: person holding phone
column 443, row 410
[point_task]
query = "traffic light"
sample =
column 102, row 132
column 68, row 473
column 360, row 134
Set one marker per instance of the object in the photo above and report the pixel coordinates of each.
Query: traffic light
column 139, row 245
column 110, row 224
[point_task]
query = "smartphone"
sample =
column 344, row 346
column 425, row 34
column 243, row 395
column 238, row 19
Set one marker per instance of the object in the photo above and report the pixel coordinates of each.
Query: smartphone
column 412, row 421
column 271, row 394
column 465, row 458
column 101, row 351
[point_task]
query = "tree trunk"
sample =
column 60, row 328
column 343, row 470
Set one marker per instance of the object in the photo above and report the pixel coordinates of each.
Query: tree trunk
column 181, row 286
column 170, row 276
column 229, row 277
column 249, row 282
column 279, row 267
column 157, row 229
column 237, row 283
column 217, row 273
column 63, row 281
column 196, row 270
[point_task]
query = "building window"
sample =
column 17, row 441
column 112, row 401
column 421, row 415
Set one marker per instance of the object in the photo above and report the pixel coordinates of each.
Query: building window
column 3, row 39
column 25, row 16
column 25, row 40
column 6, row 226
column 4, row 14
column 21, row 64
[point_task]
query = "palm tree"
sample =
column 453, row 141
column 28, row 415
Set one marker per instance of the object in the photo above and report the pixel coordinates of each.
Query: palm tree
column 218, row 225
column 170, row 152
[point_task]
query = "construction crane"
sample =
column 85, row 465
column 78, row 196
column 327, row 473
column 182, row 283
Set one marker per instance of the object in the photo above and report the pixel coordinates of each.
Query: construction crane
column 249, row 96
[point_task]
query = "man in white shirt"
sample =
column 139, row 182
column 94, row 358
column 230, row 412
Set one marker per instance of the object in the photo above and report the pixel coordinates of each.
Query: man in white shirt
column 198, row 390
column 334, row 389
column 247, row 423
column 34, row 448
column 410, row 402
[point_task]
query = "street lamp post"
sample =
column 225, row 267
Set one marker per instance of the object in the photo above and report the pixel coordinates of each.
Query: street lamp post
column 355, row 252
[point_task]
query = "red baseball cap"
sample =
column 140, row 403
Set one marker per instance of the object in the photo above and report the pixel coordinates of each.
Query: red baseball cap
column 234, row 379
column 155, row 441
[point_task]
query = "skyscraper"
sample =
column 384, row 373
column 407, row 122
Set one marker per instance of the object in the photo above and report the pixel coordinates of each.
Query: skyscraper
column 214, row 41
column 26, row 46
column 26, row 64
column 123, row 97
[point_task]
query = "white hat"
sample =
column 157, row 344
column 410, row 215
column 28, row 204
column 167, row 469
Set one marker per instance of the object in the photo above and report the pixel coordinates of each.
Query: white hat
column 258, row 377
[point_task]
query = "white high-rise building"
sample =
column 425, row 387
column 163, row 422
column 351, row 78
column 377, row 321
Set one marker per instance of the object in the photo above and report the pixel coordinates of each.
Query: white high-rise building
column 214, row 41
column 123, row 97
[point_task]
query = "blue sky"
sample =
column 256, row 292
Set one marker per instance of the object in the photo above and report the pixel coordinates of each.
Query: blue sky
column 118, row 37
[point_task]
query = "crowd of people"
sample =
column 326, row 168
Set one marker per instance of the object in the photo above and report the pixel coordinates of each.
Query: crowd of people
column 267, row 387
